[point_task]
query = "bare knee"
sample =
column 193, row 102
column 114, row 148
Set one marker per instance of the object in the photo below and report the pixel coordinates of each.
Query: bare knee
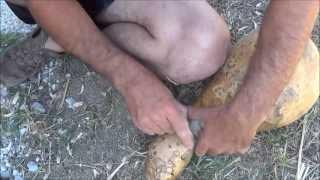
column 199, row 52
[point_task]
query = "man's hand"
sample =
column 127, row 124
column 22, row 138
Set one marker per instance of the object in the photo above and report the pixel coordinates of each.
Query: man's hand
column 225, row 131
column 153, row 108
column 155, row 111
column 284, row 32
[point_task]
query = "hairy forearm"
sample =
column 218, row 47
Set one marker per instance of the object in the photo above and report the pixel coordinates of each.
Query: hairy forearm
column 74, row 30
column 284, row 33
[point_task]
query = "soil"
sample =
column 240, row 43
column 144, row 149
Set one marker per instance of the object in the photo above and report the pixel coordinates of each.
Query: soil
column 97, row 135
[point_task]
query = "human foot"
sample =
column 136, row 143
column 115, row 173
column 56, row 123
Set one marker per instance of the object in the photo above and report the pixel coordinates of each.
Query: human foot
column 22, row 60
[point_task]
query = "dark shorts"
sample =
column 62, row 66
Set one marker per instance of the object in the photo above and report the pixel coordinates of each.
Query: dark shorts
column 92, row 7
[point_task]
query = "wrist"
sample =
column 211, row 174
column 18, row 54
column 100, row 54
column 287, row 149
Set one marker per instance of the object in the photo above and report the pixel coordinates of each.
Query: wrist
column 117, row 70
column 250, row 105
column 125, row 73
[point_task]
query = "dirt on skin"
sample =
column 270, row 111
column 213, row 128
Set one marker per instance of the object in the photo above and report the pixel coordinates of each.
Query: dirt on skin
column 94, row 136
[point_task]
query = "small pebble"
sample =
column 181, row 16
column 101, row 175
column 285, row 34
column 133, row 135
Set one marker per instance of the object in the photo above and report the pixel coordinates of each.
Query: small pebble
column 2, row 101
column 58, row 160
column 104, row 94
column 4, row 174
column 22, row 131
column 72, row 104
column 2, row 168
column 8, row 164
column 62, row 131
column 18, row 177
column 77, row 104
column 36, row 106
column 7, row 149
column 109, row 166
column 54, row 87
column 3, row 91
column 15, row 172
column 32, row 166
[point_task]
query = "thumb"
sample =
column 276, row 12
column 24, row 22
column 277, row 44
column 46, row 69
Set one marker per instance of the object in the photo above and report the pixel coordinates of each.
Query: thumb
column 180, row 125
column 202, row 146
column 197, row 114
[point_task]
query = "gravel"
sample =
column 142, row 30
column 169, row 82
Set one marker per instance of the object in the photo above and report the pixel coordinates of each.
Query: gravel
column 9, row 23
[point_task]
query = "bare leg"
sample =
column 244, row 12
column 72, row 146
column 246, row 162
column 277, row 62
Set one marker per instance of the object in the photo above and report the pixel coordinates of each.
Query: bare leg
column 184, row 40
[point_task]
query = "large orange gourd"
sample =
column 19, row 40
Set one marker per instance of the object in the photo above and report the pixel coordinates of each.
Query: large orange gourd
column 167, row 157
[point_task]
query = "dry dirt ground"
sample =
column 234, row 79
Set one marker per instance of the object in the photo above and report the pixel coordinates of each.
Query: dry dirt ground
column 69, row 123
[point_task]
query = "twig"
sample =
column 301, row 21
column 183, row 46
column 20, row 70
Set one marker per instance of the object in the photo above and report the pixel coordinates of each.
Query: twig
column 65, row 93
column 132, row 151
column 49, row 171
column 35, row 176
column 29, row 89
column 84, row 165
column 124, row 161
column 300, row 165
column 231, row 163
column 50, row 144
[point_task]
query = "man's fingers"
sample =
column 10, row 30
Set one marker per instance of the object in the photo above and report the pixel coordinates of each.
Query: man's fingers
column 147, row 131
column 170, row 128
column 181, row 127
column 140, row 127
column 161, row 125
column 165, row 125
column 202, row 146
column 153, row 127
column 148, row 128
column 178, row 120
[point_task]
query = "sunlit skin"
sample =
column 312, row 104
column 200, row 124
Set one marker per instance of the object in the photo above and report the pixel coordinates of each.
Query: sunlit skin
column 183, row 41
